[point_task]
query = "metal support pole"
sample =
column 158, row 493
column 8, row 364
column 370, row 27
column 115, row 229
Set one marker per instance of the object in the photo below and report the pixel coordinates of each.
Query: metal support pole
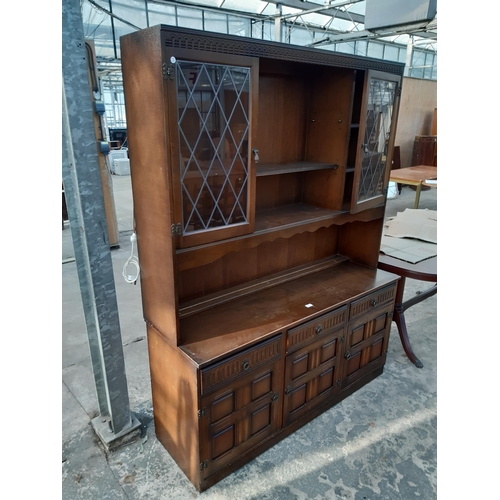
column 277, row 23
column 409, row 56
column 82, row 183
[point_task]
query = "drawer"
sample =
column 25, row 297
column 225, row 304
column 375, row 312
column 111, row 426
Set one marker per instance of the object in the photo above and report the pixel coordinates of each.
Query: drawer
column 241, row 363
column 301, row 335
column 371, row 301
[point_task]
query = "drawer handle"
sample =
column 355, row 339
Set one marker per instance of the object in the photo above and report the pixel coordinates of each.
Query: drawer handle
column 245, row 365
column 274, row 397
column 373, row 303
column 348, row 355
column 288, row 390
column 319, row 329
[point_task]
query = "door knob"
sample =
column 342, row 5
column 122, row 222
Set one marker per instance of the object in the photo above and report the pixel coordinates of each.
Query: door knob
column 255, row 152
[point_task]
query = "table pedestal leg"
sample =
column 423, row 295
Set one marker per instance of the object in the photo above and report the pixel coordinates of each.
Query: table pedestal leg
column 399, row 318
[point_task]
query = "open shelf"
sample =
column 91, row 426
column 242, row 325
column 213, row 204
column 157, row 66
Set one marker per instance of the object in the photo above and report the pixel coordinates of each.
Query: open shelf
column 255, row 316
column 290, row 215
column 209, row 301
column 264, row 169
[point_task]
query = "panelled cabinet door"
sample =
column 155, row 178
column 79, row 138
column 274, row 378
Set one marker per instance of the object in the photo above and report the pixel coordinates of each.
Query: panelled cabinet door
column 376, row 140
column 212, row 111
column 312, row 376
column 366, row 344
column 239, row 416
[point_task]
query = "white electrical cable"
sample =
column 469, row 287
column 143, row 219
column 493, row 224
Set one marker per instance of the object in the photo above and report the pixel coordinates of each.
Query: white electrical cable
column 132, row 260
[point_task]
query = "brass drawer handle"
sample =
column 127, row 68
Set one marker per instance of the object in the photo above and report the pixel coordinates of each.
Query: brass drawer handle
column 348, row 355
column 245, row 365
column 288, row 390
column 373, row 303
column 319, row 329
column 274, row 397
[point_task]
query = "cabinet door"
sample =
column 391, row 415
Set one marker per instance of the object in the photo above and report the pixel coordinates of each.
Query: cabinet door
column 239, row 416
column 311, row 376
column 211, row 99
column 376, row 140
column 366, row 344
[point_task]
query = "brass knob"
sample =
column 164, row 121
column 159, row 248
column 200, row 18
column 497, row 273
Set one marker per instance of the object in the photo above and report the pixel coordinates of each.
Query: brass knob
column 288, row 390
column 319, row 329
column 245, row 364
column 348, row 355
column 274, row 397
column 373, row 303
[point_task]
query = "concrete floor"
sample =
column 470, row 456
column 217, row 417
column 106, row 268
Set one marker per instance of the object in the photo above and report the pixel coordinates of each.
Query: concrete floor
column 379, row 443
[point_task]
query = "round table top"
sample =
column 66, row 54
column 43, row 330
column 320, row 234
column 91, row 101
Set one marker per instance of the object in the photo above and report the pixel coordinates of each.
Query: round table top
column 425, row 270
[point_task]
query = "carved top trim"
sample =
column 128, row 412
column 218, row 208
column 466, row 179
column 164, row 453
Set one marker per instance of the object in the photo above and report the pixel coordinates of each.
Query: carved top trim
column 183, row 38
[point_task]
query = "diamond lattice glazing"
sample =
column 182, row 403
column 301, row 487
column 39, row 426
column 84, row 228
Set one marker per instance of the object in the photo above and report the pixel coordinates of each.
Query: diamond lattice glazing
column 378, row 126
column 213, row 104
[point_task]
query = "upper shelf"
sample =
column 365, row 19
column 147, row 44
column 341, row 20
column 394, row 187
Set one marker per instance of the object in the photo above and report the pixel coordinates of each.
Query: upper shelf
column 288, row 168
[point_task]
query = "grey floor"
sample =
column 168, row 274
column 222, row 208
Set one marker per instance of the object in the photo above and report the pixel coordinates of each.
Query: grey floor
column 379, row 443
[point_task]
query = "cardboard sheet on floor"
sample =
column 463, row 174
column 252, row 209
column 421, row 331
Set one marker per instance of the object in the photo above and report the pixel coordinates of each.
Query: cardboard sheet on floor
column 408, row 249
column 411, row 235
column 413, row 223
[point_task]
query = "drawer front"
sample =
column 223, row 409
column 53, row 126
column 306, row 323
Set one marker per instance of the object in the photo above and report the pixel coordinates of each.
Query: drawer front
column 371, row 301
column 323, row 325
column 237, row 365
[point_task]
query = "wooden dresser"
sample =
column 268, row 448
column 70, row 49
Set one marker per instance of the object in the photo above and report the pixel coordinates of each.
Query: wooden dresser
column 259, row 177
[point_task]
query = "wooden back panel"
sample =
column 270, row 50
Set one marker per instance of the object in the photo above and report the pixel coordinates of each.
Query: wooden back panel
column 250, row 264
column 282, row 118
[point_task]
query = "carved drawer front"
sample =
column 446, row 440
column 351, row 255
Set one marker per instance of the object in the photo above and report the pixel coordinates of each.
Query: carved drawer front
column 321, row 326
column 237, row 365
column 366, row 344
column 373, row 300
column 240, row 415
column 312, row 375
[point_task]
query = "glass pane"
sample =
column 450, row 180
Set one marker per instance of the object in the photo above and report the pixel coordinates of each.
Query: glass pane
column 215, row 22
column 213, row 121
column 189, row 18
column 375, row 50
column 134, row 11
column 160, row 14
column 239, row 26
column 376, row 138
column 361, row 48
column 391, row 53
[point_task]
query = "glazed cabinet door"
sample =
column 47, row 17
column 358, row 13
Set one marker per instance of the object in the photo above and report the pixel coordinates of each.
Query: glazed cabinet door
column 212, row 122
column 244, row 412
column 379, row 112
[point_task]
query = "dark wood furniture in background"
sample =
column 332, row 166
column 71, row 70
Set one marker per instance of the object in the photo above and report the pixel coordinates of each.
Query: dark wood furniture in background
column 425, row 270
column 259, row 183
column 425, row 150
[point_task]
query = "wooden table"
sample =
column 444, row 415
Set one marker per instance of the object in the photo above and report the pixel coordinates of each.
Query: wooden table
column 414, row 176
column 425, row 270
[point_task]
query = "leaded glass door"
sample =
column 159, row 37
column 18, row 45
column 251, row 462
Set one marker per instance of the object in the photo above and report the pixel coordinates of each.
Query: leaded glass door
column 376, row 140
column 214, row 164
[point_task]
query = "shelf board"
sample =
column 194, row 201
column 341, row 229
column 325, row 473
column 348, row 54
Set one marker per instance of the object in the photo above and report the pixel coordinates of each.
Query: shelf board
column 289, row 216
column 239, row 323
column 264, row 169
column 281, row 222
column 227, row 295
